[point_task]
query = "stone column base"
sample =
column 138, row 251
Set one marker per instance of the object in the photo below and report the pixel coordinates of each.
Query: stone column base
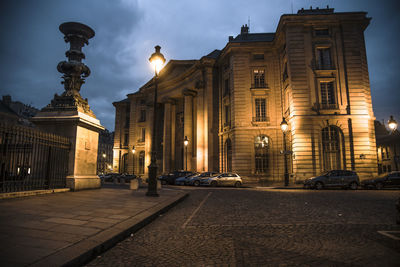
column 80, row 182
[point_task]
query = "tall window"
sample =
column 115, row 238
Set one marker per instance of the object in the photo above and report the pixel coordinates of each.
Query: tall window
column 226, row 87
column 125, row 163
column 259, row 78
column 260, row 109
column 324, row 59
column 327, row 95
column 331, row 148
column 227, row 116
column 141, row 162
column 142, row 135
column 127, row 114
column 261, row 149
column 228, row 147
column 126, row 139
column 142, row 117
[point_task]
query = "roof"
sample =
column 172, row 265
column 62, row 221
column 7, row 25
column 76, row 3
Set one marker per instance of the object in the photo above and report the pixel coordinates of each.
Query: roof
column 253, row 37
column 214, row 54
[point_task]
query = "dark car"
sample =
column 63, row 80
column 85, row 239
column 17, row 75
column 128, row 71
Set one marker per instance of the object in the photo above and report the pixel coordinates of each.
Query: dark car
column 388, row 180
column 171, row 177
column 196, row 180
column 184, row 180
column 334, row 178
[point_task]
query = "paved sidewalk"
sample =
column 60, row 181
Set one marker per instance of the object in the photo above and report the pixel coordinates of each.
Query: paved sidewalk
column 70, row 228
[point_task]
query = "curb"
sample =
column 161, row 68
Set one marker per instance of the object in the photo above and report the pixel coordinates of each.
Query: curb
column 84, row 251
column 32, row 193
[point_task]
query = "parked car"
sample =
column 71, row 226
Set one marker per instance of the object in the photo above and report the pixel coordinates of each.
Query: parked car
column 196, row 180
column 171, row 177
column 388, row 180
column 184, row 180
column 223, row 179
column 334, row 178
column 109, row 177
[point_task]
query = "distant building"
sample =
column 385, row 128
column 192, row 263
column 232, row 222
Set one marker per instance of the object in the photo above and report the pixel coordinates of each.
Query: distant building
column 105, row 152
column 387, row 148
column 16, row 112
column 229, row 104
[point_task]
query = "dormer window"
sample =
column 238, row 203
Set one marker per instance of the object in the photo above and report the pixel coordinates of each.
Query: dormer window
column 258, row 56
column 321, row 32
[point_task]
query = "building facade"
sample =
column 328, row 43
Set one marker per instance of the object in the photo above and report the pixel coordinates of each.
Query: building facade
column 229, row 104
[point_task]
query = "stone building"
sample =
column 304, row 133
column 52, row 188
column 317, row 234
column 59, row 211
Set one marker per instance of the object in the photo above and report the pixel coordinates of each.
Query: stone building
column 387, row 148
column 229, row 104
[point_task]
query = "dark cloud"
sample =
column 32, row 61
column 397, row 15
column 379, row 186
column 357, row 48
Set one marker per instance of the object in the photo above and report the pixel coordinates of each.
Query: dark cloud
column 127, row 31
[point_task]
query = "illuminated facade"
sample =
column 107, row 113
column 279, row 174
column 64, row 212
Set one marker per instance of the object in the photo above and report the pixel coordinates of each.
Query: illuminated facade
column 229, row 104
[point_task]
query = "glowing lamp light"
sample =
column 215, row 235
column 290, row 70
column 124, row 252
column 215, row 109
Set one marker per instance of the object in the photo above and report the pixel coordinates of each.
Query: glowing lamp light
column 104, row 155
column 284, row 125
column 186, row 141
column 157, row 60
column 392, row 123
column 133, row 150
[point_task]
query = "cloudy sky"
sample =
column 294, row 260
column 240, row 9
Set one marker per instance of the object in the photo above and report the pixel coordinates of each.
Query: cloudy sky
column 127, row 31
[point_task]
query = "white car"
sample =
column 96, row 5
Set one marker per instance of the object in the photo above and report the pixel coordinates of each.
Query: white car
column 223, row 179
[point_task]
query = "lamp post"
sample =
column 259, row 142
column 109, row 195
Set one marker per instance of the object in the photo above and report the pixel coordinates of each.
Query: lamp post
column 104, row 162
column 186, row 142
column 284, row 127
column 157, row 60
column 392, row 123
column 133, row 159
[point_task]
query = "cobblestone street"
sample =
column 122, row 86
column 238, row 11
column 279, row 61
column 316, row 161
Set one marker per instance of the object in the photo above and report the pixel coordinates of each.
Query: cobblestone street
column 267, row 227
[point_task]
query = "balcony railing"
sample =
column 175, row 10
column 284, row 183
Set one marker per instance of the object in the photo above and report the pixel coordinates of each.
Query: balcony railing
column 327, row 106
column 259, row 85
column 260, row 119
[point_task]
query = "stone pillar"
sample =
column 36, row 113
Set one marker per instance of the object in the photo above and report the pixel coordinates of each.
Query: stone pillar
column 188, row 128
column 167, row 139
column 70, row 115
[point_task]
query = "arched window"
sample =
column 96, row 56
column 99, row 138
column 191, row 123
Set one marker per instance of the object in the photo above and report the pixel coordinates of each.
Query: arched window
column 261, row 151
column 124, row 163
column 141, row 162
column 228, row 155
column 331, row 143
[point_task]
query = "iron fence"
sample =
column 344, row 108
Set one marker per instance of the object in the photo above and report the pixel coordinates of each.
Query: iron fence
column 31, row 159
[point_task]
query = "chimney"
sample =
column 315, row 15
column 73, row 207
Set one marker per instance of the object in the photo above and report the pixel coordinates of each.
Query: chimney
column 7, row 100
column 230, row 38
column 244, row 29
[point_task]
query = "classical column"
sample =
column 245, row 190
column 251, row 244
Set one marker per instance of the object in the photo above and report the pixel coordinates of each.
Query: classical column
column 188, row 126
column 167, row 139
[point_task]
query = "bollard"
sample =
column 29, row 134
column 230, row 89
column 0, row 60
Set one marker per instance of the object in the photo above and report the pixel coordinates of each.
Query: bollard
column 134, row 185
column 159, row 184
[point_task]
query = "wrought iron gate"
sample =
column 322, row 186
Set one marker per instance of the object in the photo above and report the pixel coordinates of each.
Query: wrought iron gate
column 31, row 159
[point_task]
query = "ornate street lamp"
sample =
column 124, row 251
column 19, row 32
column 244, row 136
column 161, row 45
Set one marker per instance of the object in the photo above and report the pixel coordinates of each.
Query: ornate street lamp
column 392, row 123
column 284, row 127
column 186, row 142
column 104, row 162
column 157, row 60
column 133, row 159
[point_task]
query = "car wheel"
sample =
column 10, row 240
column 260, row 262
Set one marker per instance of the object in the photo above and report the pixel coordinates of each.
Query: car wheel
column 213, row 184
column 163, row 182
column 319, row 186
column 353, row 186
column 196, row 183
column 379, row 186
column 237, row 184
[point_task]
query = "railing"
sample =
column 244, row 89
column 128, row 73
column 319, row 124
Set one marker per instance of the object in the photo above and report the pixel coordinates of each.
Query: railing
column 260, row 119
column 259, row 85
column 328, row 106
column 31, row 159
